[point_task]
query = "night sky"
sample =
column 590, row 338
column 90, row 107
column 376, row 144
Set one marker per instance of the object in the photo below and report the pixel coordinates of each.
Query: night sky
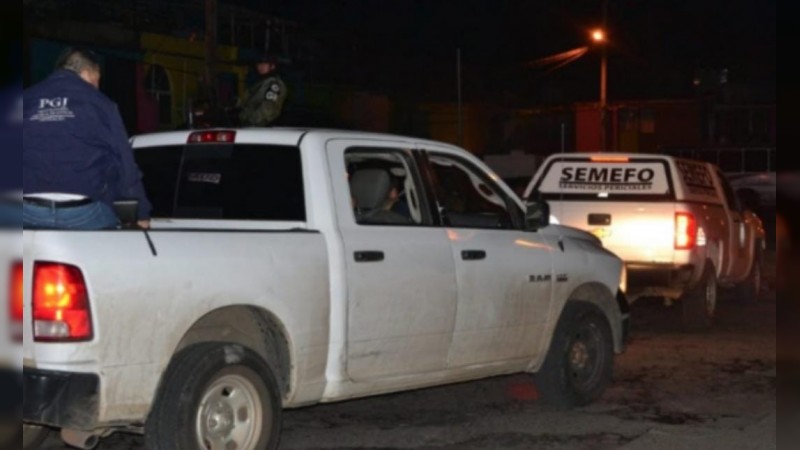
column 657, row 48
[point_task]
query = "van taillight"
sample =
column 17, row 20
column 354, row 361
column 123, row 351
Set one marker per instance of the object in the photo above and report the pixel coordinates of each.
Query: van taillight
column 60, row 304
column 16, row 299
column 685, row 231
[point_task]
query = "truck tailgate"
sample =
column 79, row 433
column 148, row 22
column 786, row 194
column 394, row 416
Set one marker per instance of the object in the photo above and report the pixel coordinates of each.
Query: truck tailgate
column 636, row 232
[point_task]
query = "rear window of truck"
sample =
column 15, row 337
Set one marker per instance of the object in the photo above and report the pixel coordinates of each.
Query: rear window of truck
column 612, row 179
column 224, row 181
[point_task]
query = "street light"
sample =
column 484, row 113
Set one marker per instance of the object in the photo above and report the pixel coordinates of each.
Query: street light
column 599, row 37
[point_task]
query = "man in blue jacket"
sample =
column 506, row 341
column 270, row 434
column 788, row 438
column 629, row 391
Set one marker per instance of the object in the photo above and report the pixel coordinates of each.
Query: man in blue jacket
column 76, row 156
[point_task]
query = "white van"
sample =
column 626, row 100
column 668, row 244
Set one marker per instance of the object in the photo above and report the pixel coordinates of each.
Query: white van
column 676, row 223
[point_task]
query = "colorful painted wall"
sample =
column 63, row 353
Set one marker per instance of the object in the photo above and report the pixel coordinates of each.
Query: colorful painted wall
column 173, row 73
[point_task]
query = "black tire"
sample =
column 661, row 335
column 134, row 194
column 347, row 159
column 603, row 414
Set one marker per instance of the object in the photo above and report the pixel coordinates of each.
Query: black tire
column 208, row 379
column 749, row 290
column 33, row 436
column 579, row 366
column 699, row 305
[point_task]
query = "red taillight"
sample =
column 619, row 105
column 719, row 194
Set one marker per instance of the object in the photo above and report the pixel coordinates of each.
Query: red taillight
column 212, row 137
column 17, row 292
column 60, row 304
column 685, row 231
column 16, row 299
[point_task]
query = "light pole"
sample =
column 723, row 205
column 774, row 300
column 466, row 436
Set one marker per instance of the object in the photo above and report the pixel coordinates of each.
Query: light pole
column 599, row 38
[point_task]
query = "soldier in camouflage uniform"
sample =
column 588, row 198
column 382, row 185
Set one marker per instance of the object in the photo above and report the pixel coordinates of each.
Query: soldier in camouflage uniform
column 264, row 100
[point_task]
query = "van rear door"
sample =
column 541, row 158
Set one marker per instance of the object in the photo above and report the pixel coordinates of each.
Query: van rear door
column 626, row 201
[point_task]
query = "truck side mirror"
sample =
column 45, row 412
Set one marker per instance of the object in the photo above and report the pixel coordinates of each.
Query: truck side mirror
column 127, row 212
column 537, row 215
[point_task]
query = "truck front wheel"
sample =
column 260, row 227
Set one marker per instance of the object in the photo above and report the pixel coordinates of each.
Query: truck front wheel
column 579, row 365
column 216, row 397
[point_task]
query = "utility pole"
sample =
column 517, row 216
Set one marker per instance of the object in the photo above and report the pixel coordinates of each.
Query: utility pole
column 460, row 100
column 604, row 84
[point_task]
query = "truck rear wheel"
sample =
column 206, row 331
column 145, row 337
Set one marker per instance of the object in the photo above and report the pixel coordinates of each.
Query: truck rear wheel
column 700, row 303
column 579, row 365
column 749, row 290
column 216, row 397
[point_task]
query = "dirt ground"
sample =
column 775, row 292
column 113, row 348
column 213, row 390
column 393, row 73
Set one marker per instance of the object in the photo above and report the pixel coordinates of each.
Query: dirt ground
column 672, row 390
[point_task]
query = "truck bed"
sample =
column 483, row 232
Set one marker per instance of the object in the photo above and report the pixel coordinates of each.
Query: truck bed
column 191, row 273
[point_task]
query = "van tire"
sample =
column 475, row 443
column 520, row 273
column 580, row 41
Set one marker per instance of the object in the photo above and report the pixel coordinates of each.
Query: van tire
column 700, row 303
column 748, row 291
column 214, row 391
column 33, row 436
column 579, row 365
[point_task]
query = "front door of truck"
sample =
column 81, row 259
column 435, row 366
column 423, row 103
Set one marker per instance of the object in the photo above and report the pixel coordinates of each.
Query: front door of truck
column 504, row 274
column 400, row 274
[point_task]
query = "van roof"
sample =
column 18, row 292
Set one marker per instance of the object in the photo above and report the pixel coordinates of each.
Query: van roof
column 612, row 157
column 623, row 157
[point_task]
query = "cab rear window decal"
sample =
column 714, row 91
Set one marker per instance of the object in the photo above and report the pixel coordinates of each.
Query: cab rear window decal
column 696, row 177
column 209, row 178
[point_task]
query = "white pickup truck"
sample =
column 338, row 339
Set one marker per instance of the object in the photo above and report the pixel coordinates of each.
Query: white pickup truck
column 287, row 268
column 676, row 223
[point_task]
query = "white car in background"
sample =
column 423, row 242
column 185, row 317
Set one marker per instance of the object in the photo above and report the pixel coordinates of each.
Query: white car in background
column 762, row 184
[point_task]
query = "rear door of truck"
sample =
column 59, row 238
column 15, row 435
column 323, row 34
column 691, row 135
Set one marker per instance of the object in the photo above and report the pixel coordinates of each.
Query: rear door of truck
column 626, row 201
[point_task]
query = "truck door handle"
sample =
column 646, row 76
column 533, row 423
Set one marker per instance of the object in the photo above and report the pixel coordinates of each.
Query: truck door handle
column 369, row 256
column 473, row 255
column 600, row 219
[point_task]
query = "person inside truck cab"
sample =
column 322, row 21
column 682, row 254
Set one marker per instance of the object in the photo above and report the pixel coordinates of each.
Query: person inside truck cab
column 77, row 160
column 396, row 198
column 376, row 196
